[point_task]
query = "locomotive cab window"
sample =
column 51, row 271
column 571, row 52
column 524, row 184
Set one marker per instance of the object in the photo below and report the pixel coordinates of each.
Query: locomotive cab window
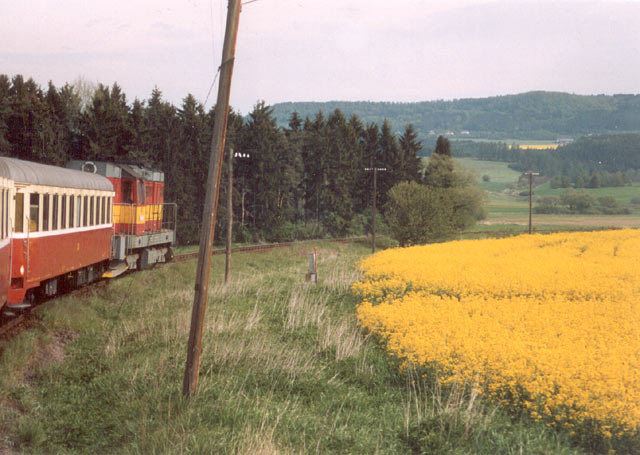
column 34, row 211
column 19, row 212
column 142, row 199
column 127, row 192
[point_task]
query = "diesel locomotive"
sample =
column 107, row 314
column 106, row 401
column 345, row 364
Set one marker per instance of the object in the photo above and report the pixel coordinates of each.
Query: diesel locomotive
column 61, row 228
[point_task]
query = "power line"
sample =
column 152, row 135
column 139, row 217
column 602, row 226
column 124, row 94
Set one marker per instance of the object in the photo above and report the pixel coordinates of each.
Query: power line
column 211, row 88
column 213, row 44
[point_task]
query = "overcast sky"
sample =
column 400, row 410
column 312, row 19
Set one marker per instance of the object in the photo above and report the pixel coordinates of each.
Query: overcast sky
column 320, row 50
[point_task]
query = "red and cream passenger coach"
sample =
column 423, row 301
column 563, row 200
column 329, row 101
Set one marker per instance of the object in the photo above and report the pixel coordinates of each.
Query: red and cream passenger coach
column 62, row 232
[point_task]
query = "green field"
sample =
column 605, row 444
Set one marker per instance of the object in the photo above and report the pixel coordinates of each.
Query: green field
column 285, row 369
column 623, row 194
column 500, row 175
column 506, row 206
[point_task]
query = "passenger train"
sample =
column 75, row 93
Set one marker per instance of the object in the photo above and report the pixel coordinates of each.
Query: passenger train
column 61, row 228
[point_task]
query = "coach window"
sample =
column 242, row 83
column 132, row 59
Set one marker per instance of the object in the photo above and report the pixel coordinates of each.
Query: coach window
column 63, row 211
column 34, row 211
column 71, row 212
column 54, row 215
column 19, row 213
column 109, row 200
column 103, row 203
column 92, row 205
column 7, row 227
column 85, row 211
column 3, row 215
column 3, row 209
column 78, row 210
column 45, row 212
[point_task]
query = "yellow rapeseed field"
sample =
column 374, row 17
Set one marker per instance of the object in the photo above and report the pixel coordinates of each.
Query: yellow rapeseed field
column 548, row 323
column 537, row 146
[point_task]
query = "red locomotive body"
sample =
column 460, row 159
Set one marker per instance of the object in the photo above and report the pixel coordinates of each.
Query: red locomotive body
column 62, row 229
column 144, row 225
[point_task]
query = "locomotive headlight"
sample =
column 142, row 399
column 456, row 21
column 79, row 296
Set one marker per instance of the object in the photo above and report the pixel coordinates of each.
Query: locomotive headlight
column 22, row 270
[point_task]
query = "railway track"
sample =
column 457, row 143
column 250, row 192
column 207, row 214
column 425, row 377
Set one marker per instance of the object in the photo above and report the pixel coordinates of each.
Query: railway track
column 9, row 327
column 269, row 246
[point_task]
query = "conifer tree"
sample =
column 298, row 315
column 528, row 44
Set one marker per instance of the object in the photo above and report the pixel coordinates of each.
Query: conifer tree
column 411, row 163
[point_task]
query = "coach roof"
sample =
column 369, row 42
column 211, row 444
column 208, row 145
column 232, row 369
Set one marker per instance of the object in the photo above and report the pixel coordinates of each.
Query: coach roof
column 42, row 174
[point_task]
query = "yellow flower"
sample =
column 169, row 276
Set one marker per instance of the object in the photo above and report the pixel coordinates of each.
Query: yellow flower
column 549, row 323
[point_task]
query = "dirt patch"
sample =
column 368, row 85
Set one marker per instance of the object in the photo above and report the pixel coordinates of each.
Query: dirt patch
column 7, row 451
column 51, row 352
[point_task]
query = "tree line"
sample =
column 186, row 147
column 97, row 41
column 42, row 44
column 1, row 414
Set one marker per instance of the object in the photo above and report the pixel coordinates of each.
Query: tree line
column 589, row 162
column 303, row 180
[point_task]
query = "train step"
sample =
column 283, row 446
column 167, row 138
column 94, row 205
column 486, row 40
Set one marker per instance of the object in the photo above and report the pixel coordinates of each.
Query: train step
column 8, row 314
column 115, row 269
column 19, row 306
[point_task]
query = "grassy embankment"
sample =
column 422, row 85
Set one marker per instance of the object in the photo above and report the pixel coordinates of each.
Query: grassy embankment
column 285, row 369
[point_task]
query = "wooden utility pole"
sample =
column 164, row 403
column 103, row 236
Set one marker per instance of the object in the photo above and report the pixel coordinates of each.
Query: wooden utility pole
column 227, row 263
column 373, row 221
column 194, row 347
column 530, row 174
column 374, row 197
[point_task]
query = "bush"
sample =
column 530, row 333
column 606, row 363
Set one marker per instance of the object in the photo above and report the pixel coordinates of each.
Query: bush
column 289, row 232
column 335, row 225
column 418, row 213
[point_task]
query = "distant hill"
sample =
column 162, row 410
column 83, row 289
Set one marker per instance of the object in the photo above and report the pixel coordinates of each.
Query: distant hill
column 532, row 115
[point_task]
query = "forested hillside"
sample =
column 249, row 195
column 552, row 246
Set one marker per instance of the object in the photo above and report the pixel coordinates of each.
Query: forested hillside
column 532, row 115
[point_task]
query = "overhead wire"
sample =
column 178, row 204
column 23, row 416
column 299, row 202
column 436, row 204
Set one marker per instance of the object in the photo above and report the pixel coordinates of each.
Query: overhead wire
column 213, row 47
column 215, row 78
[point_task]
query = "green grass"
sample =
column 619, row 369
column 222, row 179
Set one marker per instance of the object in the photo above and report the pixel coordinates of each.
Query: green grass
column 499, row 173
column 503, row 205
column 284, row 369
column 623, row 194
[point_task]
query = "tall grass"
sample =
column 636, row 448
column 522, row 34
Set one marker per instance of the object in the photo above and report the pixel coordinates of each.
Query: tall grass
column 285, row 369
